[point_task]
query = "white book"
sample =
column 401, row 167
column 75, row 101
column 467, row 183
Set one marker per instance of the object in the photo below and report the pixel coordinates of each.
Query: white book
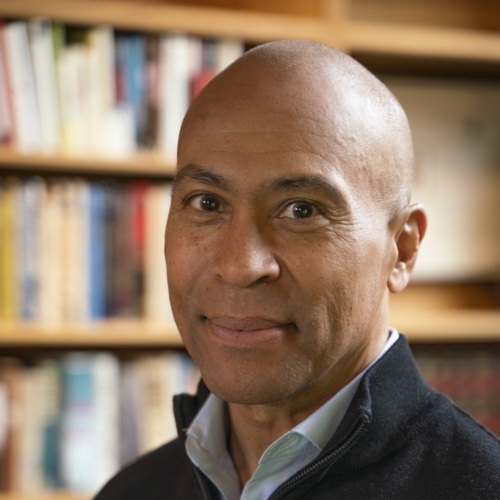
column 51, row 254
column 42, row 49
column 101, row 87
column 73, row 88
column 31, row 197
column 227, row 51
column 29, row 465
column 156, row 300
column 175, row 68
column 106, row 418
column 22, row 88
column 75, row 234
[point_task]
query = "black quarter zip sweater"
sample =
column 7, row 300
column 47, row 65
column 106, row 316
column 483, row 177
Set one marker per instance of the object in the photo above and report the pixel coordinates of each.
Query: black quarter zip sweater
column 399, row 440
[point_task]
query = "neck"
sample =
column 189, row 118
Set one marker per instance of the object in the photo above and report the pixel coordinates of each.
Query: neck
column 253, row 429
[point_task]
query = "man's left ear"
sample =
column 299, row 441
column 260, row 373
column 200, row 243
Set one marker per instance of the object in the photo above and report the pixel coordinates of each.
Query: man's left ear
column 408, row 240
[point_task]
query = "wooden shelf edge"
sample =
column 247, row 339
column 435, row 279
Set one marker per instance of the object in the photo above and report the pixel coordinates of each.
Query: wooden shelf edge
column 346, row 34
column 218, row 22
column 446, row 326
column 144, row 164
column 422, row 41
column 454, row 325
column 113, row 333
column 53, row 495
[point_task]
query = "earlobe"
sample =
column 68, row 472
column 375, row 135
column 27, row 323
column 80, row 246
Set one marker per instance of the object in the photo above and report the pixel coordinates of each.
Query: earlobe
column 407, row 242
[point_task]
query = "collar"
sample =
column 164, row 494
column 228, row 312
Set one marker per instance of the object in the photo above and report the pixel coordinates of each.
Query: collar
column 206, row 442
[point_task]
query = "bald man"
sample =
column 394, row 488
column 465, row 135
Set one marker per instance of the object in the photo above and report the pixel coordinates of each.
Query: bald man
column 290, row 226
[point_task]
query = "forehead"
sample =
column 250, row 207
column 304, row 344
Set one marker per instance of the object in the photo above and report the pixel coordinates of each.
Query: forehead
column 252, row 132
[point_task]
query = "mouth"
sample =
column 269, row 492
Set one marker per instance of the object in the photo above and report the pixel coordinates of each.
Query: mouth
column 248, row 331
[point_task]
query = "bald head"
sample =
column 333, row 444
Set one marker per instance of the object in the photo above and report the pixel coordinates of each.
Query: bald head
column 362, row 125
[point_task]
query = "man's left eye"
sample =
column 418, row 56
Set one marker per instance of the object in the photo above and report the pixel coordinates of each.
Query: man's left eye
column 300, row 210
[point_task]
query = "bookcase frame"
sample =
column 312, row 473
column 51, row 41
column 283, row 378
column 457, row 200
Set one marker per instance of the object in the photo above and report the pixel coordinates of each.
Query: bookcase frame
column 450, row 313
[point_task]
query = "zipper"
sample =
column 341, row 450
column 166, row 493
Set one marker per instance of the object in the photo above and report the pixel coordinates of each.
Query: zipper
column 316, row 465
column 201, row 483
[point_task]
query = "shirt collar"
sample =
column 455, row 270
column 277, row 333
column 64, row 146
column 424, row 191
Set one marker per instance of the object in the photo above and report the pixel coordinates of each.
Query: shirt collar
column 320, row 426
column 206, row 442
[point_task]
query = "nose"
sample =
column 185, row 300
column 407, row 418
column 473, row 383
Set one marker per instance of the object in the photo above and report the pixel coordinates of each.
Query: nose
column 244, row 255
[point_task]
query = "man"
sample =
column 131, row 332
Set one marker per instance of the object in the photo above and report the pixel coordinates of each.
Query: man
column 290, row 225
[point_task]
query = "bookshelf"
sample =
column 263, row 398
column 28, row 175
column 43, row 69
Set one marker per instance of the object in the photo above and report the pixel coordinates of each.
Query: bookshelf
column 146, row 165
column 332, row 23
column 434, row 34
column 45, row 496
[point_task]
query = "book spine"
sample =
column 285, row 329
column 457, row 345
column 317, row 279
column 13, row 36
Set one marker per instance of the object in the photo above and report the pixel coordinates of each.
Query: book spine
column 22, row 88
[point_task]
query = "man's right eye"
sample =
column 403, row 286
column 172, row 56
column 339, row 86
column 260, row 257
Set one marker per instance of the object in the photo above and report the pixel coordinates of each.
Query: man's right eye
column 206, row 203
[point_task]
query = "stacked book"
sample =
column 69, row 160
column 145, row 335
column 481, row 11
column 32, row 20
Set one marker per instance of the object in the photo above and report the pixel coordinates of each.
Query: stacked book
column 93, row 90
column 70, row 422
column 76, row 250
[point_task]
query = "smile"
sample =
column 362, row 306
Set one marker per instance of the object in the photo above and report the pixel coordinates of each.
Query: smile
column 247, row 332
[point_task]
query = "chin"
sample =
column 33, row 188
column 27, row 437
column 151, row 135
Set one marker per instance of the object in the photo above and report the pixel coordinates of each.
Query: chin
column 256, row 393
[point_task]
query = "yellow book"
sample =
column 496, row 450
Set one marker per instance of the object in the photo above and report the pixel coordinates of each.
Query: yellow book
column 9, row 279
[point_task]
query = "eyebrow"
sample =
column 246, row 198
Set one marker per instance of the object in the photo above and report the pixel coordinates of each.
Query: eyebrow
column 283, row 184
column 315, row 183
column 199, row 174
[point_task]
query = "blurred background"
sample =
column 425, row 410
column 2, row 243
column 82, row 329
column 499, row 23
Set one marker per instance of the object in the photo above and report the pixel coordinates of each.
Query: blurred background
column 92, row 94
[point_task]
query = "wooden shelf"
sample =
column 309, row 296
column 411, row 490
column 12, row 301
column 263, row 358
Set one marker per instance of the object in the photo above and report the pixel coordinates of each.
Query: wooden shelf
column 144, row 164
column 43, row 496
column 112, row 334
column 448, row 312
column 373, row 36
column 148, row 16
column 448, row 326
column 422, row 41
column 419, row 324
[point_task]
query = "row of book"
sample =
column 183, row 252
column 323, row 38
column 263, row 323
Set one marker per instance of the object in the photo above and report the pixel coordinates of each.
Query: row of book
column 71, row 422
column 75, row 250
column 94, row 90
column 469, row 375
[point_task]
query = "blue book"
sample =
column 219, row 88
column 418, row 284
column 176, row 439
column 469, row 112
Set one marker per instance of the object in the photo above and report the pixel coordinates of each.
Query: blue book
column 97, row 251
column 77, row 423
column 136, row 83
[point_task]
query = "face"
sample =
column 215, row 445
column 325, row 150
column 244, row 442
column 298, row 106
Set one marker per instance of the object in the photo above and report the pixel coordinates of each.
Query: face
column 277, row 257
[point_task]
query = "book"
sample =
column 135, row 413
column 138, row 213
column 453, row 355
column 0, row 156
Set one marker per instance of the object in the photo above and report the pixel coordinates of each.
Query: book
column 75, row 257
column 6, row 111
column 157, row 303
column 30, row 233
column 101, row 81
column 150, row 138
column 175, row 67
column 97, row 251
column 51, row 253
column 9, row 249
column 74, row 99
column 89, row 440
column 42, row 49
column 22, row 87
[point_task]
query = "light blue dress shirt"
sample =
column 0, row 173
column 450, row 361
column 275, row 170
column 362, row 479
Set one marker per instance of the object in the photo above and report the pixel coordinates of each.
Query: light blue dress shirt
column 206, row 443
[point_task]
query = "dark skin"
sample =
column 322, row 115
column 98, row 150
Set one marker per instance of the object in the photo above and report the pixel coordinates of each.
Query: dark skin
column 290, row 226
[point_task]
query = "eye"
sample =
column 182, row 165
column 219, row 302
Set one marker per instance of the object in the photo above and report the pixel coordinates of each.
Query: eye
column 300, row 210
column 206, row 203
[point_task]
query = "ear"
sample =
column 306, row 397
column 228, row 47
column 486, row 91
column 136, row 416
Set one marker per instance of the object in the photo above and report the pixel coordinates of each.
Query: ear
column 408, row 240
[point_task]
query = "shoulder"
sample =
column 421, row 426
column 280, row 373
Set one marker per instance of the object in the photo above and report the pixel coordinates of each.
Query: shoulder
column 454, row 454
column 470, row 441
column 153, row 475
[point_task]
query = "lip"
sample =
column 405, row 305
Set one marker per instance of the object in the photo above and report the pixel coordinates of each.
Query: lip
column 248, row 331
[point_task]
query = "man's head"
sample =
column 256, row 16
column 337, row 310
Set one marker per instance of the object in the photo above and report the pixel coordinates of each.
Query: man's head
column 290, row 224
